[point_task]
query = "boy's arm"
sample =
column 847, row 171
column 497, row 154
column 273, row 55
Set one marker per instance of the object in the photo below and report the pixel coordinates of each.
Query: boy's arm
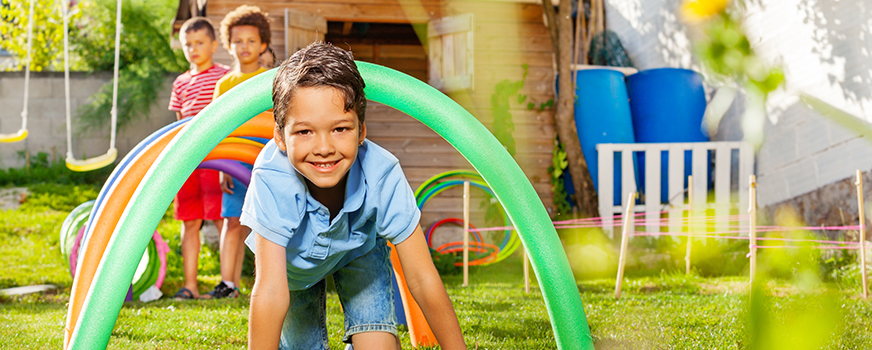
column 427, row 289
column 269, row 297
column 178, row 115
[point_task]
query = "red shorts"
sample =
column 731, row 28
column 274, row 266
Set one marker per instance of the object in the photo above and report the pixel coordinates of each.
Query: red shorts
column 200, row 197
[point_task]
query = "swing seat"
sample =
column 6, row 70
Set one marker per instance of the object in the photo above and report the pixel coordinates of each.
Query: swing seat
column 8, row 138
column 92, row 163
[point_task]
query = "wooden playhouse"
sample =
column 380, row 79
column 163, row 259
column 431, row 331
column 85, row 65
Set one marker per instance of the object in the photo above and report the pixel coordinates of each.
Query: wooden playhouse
column 471, row 50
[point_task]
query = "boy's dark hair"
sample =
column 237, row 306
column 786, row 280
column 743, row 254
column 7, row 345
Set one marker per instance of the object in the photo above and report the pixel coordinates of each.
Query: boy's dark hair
column 271, row 53
column 319, row 64
column 199, row 23
column 245, row 15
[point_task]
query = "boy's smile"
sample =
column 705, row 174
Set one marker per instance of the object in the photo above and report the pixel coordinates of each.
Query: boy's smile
column 321, row 138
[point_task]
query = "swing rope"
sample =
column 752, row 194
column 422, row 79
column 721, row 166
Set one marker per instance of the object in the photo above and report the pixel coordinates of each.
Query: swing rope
column 108, row 158
column 22, row 133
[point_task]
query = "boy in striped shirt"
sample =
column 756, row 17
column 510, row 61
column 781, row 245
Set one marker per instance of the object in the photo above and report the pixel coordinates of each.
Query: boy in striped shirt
column 200, row 197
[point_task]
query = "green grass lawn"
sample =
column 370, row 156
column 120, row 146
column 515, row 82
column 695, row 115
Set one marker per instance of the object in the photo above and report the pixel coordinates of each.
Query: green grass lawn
column 666, row 311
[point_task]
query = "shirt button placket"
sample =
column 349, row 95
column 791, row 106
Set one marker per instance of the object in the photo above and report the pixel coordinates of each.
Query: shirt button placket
column 322, row 243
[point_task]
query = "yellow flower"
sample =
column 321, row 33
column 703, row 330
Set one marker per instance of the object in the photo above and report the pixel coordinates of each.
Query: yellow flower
column 700, row 10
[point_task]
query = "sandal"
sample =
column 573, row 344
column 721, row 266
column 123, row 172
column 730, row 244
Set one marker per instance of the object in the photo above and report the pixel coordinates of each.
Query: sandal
column 183, row 294
column 221, row 291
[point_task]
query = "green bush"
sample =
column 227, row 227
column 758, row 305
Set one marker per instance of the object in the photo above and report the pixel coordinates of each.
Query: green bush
column 445, row 263
column 146, row 58
column 44, row 169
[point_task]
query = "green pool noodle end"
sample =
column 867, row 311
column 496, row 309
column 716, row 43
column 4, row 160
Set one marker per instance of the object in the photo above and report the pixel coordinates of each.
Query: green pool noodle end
column 409, row 95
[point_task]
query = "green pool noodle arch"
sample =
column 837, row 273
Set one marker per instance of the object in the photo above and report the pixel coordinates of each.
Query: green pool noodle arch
column 398, row 90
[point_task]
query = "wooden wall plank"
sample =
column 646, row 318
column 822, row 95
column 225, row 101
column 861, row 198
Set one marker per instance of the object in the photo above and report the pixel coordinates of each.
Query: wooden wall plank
column 353, row 12
column 388, row 114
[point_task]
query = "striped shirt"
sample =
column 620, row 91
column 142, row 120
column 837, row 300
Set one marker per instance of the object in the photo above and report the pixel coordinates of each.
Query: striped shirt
column 192, row 92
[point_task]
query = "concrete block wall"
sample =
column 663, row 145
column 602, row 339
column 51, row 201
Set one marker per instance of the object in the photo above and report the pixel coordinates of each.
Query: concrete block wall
column 46, row 122
column 815, row 45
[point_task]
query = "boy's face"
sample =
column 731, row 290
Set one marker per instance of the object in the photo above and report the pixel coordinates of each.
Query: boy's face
column 198, row 46
column 245, row 44
column 320, row 137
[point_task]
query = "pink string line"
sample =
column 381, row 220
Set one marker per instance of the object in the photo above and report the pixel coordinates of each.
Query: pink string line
column 760, row 228
column 617, row 217
column 745, row 238
column 794, row 246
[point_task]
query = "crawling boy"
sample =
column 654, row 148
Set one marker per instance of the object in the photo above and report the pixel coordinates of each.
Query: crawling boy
column 324, row 200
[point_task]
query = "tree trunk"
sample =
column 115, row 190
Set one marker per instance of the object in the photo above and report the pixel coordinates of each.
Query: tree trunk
column 560, row 27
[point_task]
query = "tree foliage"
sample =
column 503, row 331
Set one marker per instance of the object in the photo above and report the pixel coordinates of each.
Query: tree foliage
column 48, row 35
column 145, row 57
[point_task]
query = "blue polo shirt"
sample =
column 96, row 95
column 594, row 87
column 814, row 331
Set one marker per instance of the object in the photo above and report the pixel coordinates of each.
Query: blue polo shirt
column 278, row 207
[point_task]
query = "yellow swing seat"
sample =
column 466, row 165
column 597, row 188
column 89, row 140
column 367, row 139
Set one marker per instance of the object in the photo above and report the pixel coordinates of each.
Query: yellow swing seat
column 18, row 136
column 92, row 163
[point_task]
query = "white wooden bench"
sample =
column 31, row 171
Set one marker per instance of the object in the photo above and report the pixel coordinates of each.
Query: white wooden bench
column 651, row 205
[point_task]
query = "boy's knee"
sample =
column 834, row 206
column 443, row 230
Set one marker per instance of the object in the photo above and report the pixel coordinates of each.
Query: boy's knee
column 232, row 223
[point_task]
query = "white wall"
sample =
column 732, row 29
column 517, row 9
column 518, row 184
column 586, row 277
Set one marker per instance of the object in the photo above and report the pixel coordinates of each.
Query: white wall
column 824, row 47
column 47, row 121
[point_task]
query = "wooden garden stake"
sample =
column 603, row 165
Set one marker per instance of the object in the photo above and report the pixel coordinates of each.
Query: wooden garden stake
column 625, row 238
column 689, row 223
column 752, row 225
column 862, row 213
column 466, row 233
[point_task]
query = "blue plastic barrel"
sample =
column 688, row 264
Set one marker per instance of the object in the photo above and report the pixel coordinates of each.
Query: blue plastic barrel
column 667, row 105
column 602, row 115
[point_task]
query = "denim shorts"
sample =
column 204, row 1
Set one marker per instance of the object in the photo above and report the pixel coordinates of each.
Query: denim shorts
column 231, row 204
column 367, row 297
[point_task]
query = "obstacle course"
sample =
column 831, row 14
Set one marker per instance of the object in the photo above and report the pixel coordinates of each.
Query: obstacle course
column 170, row 165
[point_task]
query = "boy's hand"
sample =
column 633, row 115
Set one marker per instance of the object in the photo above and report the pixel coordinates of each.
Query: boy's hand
column 427, row 289
column 226, row 183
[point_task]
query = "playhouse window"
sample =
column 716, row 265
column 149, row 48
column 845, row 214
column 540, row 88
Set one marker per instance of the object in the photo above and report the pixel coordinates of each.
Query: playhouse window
column 451, row 52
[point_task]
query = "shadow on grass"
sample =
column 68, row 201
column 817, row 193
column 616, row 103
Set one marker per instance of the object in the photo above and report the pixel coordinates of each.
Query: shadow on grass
column 518, row 329
column 665, row 283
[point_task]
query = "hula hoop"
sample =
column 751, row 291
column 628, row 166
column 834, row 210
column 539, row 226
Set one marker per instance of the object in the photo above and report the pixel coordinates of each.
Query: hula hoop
column 119, row 189
column 70, row 229
column 240, row 152
column 242, row 141
column 122, row 167
column 510, row 242
column 560, row 293
column 478, row 242
column 162, row 249
column 433, row 226
column 149, row 275
column 425, row 190
column 154, row 272
column 233, row 168
column 437, row 177
column 456, row 247
column 261, row 140
column 442, row 186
